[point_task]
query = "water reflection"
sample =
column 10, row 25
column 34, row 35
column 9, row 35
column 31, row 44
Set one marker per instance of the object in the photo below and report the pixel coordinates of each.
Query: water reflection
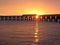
column 36, row 34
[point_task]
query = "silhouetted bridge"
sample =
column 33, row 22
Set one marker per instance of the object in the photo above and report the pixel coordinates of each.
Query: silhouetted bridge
column 50, row 18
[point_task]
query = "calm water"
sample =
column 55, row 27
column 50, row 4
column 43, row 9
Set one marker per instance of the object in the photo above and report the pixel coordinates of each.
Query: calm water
column 29, row 33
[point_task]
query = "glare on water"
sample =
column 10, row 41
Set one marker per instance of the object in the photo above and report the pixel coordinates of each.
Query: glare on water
column 36, row 33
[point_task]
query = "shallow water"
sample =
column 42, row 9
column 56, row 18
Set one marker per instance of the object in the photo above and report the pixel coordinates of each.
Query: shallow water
column 29, row 33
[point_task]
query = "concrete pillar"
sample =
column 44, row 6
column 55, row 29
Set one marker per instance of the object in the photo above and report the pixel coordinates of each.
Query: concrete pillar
column 15, row 18
column 28, row 18
column 11, row 18
column 50, row 17
column 43, row 20
column 24, row 18
column 45, row 17
column 31, row 18
column 53, row 20
column 55, row 17
column 4, row 18
column 8, row 18
column 58, row 20
column 48, row 20
column 20, row 18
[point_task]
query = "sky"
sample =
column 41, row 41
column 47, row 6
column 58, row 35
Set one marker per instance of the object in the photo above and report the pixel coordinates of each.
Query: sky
column 19, row 7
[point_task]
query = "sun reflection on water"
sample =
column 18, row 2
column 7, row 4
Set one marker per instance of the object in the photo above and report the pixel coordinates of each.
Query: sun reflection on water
column 36, row 34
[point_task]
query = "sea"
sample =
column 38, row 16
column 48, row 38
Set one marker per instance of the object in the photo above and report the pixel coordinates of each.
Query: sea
column 29, row 33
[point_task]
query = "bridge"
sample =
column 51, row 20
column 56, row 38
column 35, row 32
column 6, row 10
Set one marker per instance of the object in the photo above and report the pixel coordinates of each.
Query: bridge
column 47, row 18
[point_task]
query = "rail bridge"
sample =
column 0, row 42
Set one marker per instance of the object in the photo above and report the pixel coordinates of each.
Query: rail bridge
column 48, row 18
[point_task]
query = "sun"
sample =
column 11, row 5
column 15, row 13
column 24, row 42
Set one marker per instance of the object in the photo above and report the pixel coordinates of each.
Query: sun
column 37, row 16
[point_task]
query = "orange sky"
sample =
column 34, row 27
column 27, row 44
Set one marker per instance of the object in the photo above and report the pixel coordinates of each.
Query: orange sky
column 19, row 7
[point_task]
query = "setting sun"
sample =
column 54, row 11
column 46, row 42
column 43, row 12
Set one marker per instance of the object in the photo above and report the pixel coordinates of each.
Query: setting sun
column 37, row 17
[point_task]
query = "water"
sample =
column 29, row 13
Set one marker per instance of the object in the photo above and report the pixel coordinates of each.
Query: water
column 29, row 33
